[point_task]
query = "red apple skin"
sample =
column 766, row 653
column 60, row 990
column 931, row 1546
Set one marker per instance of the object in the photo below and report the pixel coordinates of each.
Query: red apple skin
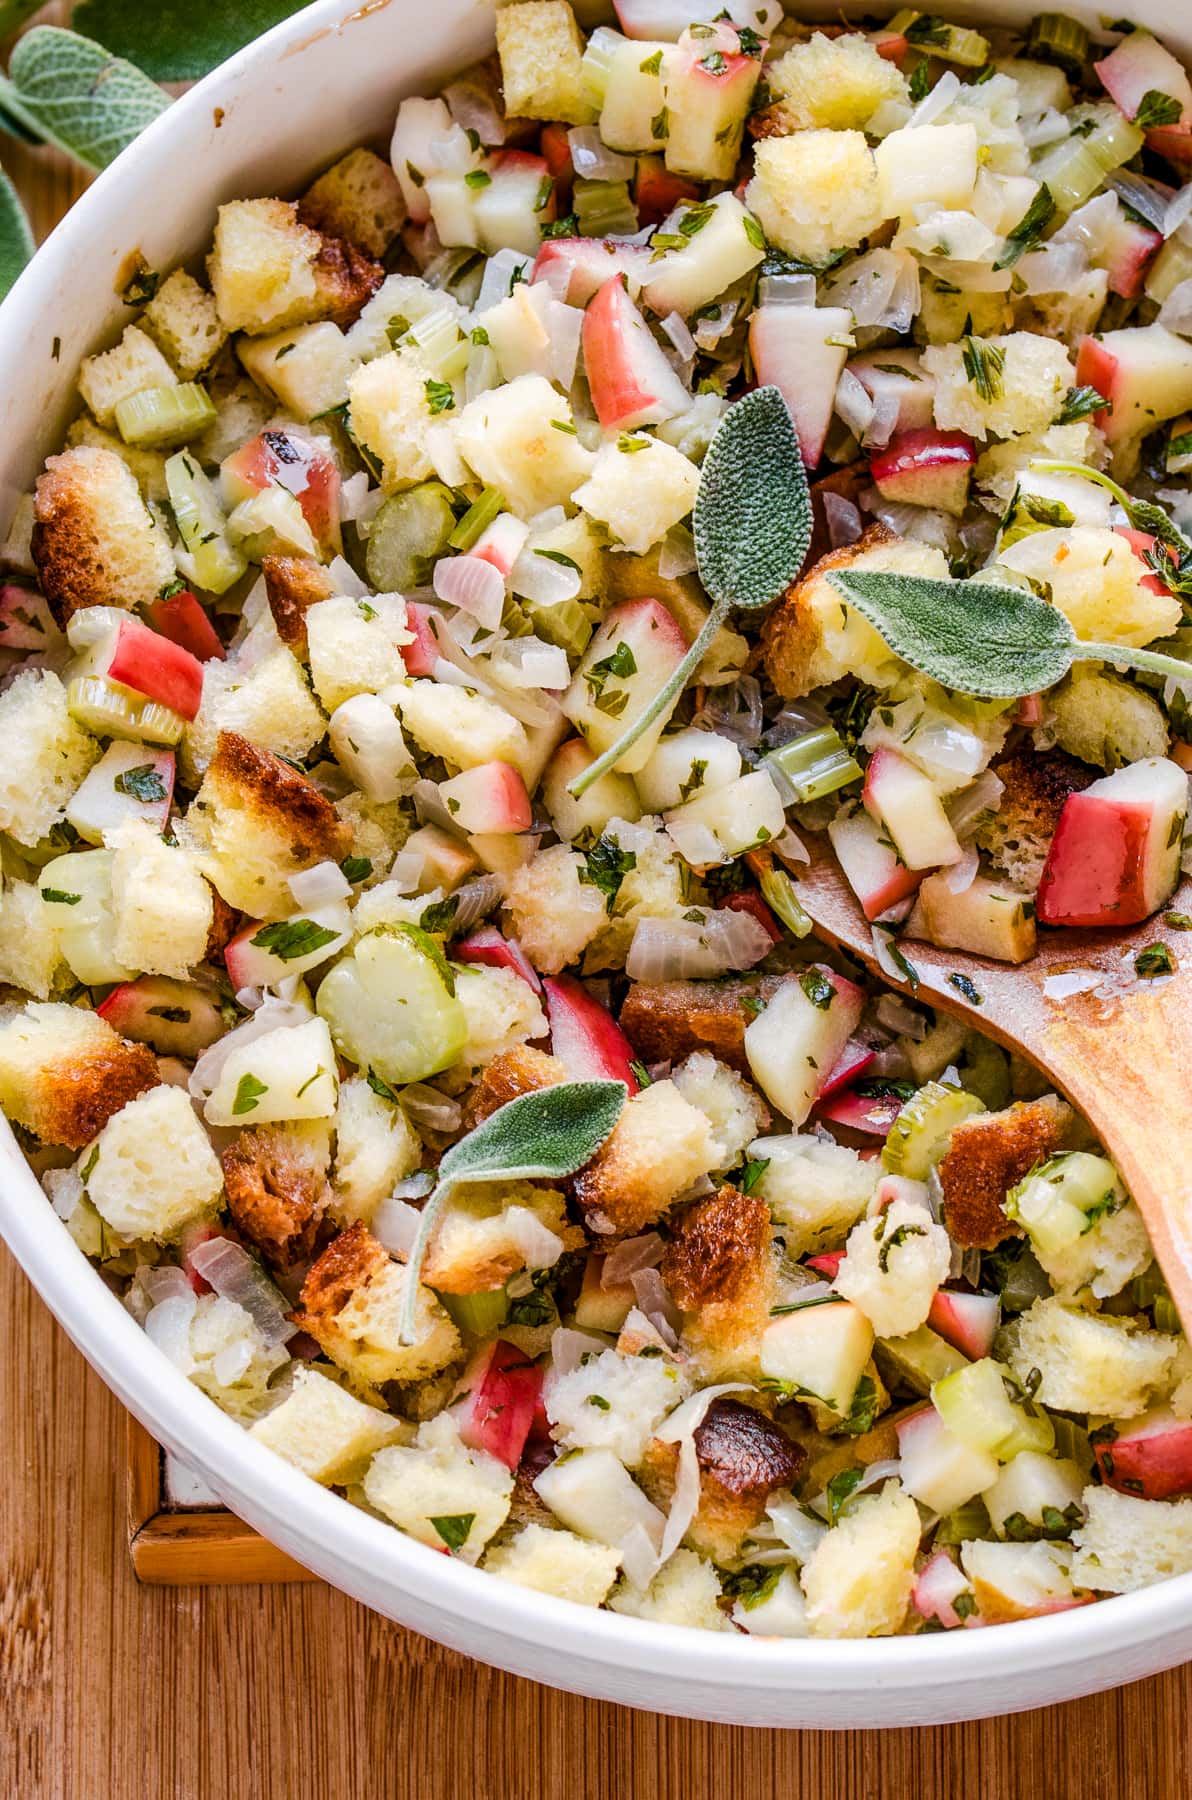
column 966, row 1321
column 894, row 49
column 926, row 468
column 1152, row 1459
column 502, row 1389
column 127, row 1010
column 1096, row 367
column 421, row 656
column 1134, row 247
column 25, row 620
column 747, row 901
column 486, row 945
column 657, row 192
column 497, row 799
column 1094, row 873
column 873, row 1115
column 1141, row 542
column 584, row 1036
column 618, row 350
column 1174, row 142
column 153, row 665
column 556, row 154
column 275, row 458
column 577, row 268
column 183, row 621
column 937, row 1585
column 826, row 1264
column 852, row 1062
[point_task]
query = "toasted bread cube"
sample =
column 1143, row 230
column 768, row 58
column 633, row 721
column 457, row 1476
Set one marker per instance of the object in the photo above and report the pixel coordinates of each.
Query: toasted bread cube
column 306, row 367
column 639, row 494
column 152, row 1169
column 262, row 266
column 815, row 192
column 858, row 1579
column 276, row 1178
column 987, row 1156
column 127, row 368
column 719, row 1268
column 351, row 1305
column 30, row 957
column 521, row 1070
column 510, row 437
column 658, row 1147
column 64, row 1072
column 355, row 646
column 1035, row 785
column 390, row 412
column 501, row 1010
column 46, row 755
column 743, row 1458
column 1098, row 582
column 262, row 822
column 833, row 84
column 734, row 1110
column 375, row 1147
column 95, row 542
column 477, row 1243
column 185, row 321
column 358, row 198
column 540, row 46
column 439, row 1479
column 812, row 637
column 669, row 1019
column 268, row 703
column 293, row 584
column 1126, row 1543
column 685, row 1591
column 463, row 728
column 556, row 1562
column 163, row 905
column 1034, row 375
column 148, row 466
column 816, row 1190
column 1090, row 1362
column 554, row 914
column 639, row 1392
column 325, row 1431
column 1105, row 720
column 892, row 1271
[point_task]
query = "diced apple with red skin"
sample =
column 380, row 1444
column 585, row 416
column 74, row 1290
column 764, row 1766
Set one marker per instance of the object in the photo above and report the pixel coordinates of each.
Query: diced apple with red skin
column 872, row 867
column 1130, row 249
column 419, row 123
column 1115, row 856
column 250, row 964
column 1150, row 1457
column 657, row 191
column 1017, row 1581
column 1144, row 371
column 926, row 468
column 555, row 146
column 502, row 543
column 491, row 799
column 748, row 901
column 1140, row 65
column 421, row 655
column 486, row 945
column 938, row 1585
column 175, row 1018
column 968, row 1322
column 827, row 1263
column 645, row 640
column 518, row 198
column 1142, row 543
column 153, row 665
column 575, row 269
column 25, row 620
column 709, row 261
column 936, row 1466
column 584, row 1035
column 902, row 799
column 181, row 619
column 631, row 381
column 872, row 1114
column 852, row 1062
column 801, row 350
column 898, row 373
column 1173, row 142
column 796, row 1038
column 499, row 1394
column 275, row 459
column 708, row 88
column 893, row 47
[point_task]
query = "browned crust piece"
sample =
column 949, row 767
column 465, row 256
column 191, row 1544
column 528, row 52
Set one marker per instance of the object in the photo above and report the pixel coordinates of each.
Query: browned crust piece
column 345, row 279
column 718, row 1247
column 292, row 584
column 69, row 543
column 743, row 1458
column 348, row 1263
column 283, row 794
column 276, row 1194
column 790, row 635
column 84, row 1092
column 334, row 206
column 1036, row 783
column 988, row 1155
column 223, row 923
column 670, row 1019
column 521, row 1070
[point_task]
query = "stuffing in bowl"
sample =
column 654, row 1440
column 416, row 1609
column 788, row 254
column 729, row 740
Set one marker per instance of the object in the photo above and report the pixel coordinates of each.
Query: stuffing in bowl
column 409, row 1003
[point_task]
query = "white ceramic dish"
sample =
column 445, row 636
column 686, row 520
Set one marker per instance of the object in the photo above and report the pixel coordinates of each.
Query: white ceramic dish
column 326, row 79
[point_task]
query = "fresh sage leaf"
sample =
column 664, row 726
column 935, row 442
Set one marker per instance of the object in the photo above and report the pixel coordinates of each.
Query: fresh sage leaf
column 16, row 239
column 72, row 93
column 172, row 40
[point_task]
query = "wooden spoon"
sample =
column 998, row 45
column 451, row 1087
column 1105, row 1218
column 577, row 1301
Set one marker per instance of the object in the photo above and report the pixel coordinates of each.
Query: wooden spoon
column 1120, row 1049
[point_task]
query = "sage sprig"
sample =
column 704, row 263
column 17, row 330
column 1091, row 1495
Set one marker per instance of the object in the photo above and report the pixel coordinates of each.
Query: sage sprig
column 72, row 93
column 987, row 638
column 752, row 526
column 542, row 1136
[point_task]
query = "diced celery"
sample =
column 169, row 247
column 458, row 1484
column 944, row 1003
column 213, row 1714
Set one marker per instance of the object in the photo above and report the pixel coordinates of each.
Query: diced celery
column 604, row 208
column 271, row 523
column 1102, row 140
column 1058, row 1203
column 597, row 61
column 201, row 523
column 479, row 1314
column 477, row 519
column 781, row 896
column 408, row 533
column 1072, row 1442
column 977, row 1407
column 951, row 43
column 109, row 710
column 161, row 418
column 568, row 624
column 391, row 1006
column 919, row 1135
column 917, row 1359
column 1172, row 266
column 812, row 766
column 444, row 347
column 76, row 890
column 968, row 1522
column 1150, row 1292
column 1055, row 38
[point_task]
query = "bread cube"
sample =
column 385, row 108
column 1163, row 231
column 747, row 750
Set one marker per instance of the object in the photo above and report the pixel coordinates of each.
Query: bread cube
column 501, row 1010
column 1035, row 785
column 229, row 1357
column 686, row 1591
column 509, row 437
column 163, row 905
column 477, row 1243
column 815, row 1189
column 521, row 1070
column 540, row 46
column 858, row 1579
column 1126, row 1543
column 152, row 1169
column 892, row 1270
column 1090, row 1362
column 639, row 1392
column 46, row 755
column 743, row 1458
column 267, row 702
column 1105, row 720
column 815, row 193
column 1023, row 391
column 833, row 84
column 305, row 367
column 437, row 1489
column 463, row 728
column 659, row 1146
column 358, row 198
column 988, row 1155
column 732, row 1108
column 556, row 1562
column 1098, row 582
column 64, row 1072
column 639, row 492
column 325, row 1431
column 127, row 368
column 262, row 266
column 241, row 411
column 390, row 412
column 148, row 466
column 1103, row 1259
column 718, row 1267
column 261, row 821
column 30, row 957
column 375, row 1147
column 355, row 646
column 95, row 542
column 276, row 1179
column 183, row 318
column 351, row 1305
column 554, row 914
column 293, row 584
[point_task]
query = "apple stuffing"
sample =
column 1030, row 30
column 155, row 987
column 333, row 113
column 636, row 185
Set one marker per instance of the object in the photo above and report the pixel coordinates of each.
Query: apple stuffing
column 414, row 724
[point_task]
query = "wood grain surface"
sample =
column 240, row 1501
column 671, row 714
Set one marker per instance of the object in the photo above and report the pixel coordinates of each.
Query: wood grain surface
column 110, row 1690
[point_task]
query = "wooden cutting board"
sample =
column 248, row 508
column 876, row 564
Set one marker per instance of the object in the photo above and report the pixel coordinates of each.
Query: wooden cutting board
column 111, row 1689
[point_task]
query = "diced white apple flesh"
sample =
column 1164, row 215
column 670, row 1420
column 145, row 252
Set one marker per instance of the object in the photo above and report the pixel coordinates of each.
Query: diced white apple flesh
column 510, row 209
column 712, row 258
column 1144, row 371
column 419, row 124
column 821, row 1351
column 687, row 763
column 903, row 800
column 801, row 350
column 1141, row 65
column 1028, row 1483
column 490, row 798
column 577, row 268
column 643, row 638
column 251, row 964
column 633, row 99
column 708, row 88
column 935, row 169
column 1115, row 856
column 128, row 782
column 82, row 914
column 368, row 744
column 668, row 19
column 782, row 1613
column 936, row 1467
column 593, row 1494
column 1017, row 1581
column 631, row 381
column 872, row 867
column 614, row 796
column 794, row 1042
column 446, row 859
column 294, row 1069
column 740, row 816
column 990, row 918
column 897, row 378
column 599, row 1308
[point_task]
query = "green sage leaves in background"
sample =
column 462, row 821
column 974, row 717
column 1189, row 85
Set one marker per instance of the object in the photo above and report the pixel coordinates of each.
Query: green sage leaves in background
column 175, row 40
column 74, row 94
column 16, row 239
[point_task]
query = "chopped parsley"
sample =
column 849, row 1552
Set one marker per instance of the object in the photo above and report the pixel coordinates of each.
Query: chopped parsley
column 640, row 1073
column 605, row 868
column 629, row 445
column 896, row 1237
column 1157, row 108
column 619, row 663
column 752, row 1174
column 652, row 64
column 1029, row 229
column 439, row 916
column 751, row 1585
column 754, row 232
column 288, row 939
column 57, row 897
column 440, row 396
column 477, row 178
column 453, row 1528
column 1081, row 403
column 382, row 1088
column 356, row 868
column 248, row 1092
column 1155, row 960
column 983, row 365
column 840, row 1491
column 818, row 989
column 965, row 985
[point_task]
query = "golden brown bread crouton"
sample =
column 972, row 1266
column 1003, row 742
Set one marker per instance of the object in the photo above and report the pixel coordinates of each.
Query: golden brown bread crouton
column 223, row 924
column 345, row 279
column 351, row 1305
column 475, row 1248
column 64, row 1073
column 521, row 1070
column 1019, row 834
column 988, row 1155
column 671, row 1019
column 743, row 1458
column 293, row 583
column 276, row 1181
column 358, row 198
column 658, row 1147
column 719, row 1269
column 94, row 540
column 262, row 821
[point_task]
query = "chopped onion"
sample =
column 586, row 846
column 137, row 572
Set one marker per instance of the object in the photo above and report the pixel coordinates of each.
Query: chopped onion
column 789, row 847
column 650, row 1292
column 639, row 1558
column 639, row 1331
column 1179, row 210
column 686, row 1419
column 271, row 1015
column 937, row 101
column 800, row 1533
column 65, row 1191
column 529, row 662
column 406, row 870
column 972, row 803
column 959, row 878
column 568, row 1349
column 426, row 1107
column 354, row 495
column 680, row 949
column 734, row 711
column 346, row 579
column 542, row 580
column 473, row 104
column 1150, row 199
column 677, row 555
column 168, row 1282
column 895, row 1015
column 429, row 803
column 696, row 843
column 630, row 1256
column 1176, row 311
column 395, row 1226
column 472, row 584
column 499, row 277
column 786, row 290
column 1045, row 128
column 474, row 899
column 883, row 941
column 167, row 1326
column 1052, row 269
column 593, row 160
column 680, row 1429
column 450, row 153
column 675, row 327
column 1090, row 225
column 320, row 886
column 533, row 1240
column 715, row 325
column 854, row 405
column 234, row 1275
column 886, row 408
column 414, row 1187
